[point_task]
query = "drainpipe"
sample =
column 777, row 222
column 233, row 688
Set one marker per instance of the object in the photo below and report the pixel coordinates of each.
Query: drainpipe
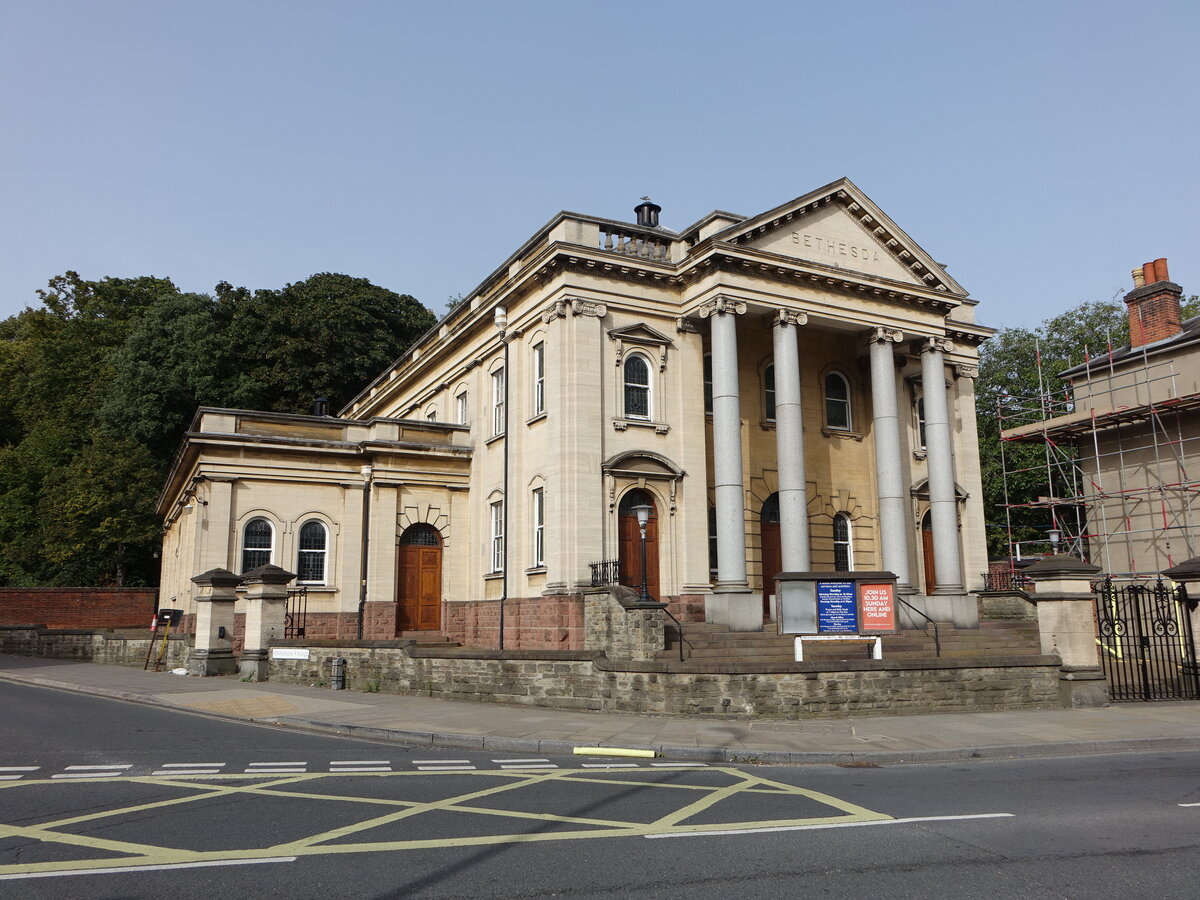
column 366, row 541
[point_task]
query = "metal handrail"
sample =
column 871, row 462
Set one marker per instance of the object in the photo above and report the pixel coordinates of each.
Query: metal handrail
column 605, row 572
column 679, row 628
column 937, row 641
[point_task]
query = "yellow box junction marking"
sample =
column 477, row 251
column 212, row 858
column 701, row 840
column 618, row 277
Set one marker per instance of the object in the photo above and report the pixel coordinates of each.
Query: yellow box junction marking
column 696, row 798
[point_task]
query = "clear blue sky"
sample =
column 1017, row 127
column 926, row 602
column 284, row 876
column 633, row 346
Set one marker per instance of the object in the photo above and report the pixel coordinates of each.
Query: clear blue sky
column 1041, row 150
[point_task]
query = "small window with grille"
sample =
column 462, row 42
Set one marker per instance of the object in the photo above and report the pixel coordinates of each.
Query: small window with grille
column 310, row 563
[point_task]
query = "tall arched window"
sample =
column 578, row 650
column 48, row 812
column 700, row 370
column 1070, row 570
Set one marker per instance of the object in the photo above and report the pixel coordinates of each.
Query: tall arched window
column 769, row 393
column 310, row 561
column 637, row 387
column 843, row 549
column 921, row 422
column 837, row 401
column 258, row 541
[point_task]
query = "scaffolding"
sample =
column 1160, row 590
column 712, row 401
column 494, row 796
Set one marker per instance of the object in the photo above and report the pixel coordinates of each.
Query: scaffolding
column 1118, row 445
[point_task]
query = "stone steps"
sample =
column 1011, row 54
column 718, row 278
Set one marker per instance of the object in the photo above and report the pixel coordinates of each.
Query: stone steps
column 714, row 645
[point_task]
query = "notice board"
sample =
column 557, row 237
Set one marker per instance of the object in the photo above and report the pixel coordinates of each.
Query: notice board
column 878, row 607
column 837, row 607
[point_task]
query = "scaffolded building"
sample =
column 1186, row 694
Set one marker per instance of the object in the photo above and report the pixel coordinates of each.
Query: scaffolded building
column 1119, row 440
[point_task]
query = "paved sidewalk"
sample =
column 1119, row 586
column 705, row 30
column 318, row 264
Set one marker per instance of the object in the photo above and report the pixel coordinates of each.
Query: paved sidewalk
column 512, row 728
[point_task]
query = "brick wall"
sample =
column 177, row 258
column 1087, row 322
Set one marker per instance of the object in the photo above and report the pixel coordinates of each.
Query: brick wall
column 78, row 607
column 551, row 622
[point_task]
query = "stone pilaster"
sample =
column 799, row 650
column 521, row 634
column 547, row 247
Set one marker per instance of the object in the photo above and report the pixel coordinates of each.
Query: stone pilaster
column 1066, row 621
column 266, row 618
column 216, row 592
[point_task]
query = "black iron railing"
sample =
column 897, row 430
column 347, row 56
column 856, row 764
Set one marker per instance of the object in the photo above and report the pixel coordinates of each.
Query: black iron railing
column 937, row 640
column 606, row 573
column 1007, row 581
column 297, row 612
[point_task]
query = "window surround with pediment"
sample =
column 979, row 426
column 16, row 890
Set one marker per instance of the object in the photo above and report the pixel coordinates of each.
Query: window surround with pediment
column 653, row 347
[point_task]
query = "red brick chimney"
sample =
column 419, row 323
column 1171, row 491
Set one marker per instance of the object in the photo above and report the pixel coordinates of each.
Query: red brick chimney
column 1153, row 305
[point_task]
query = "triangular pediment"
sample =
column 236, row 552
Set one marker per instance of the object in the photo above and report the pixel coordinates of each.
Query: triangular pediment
column 840, row 227
column 640, row 333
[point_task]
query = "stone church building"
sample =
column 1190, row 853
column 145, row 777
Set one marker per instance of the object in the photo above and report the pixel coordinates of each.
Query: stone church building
column 790, row 391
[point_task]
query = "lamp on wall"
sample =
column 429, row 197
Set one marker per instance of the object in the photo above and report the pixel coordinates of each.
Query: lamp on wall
column 643, row 511
column 1055, row 536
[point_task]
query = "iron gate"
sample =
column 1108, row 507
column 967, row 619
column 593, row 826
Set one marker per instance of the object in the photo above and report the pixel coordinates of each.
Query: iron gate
column 1146, row 642
column 297, row 612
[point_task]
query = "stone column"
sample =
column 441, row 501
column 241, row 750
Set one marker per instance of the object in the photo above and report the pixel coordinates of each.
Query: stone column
column 889, row 461
column 266, row 618
column 789, row 444
column 732, row 604
column 213, row 650
column 943, row 511
column 1067, row 624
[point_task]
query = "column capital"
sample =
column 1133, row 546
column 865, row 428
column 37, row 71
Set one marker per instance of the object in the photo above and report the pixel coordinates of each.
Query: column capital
column 884, row 336
column 966, row 371
column 789, row 317
column 930, row 345
column 589, row 308
column 721, row 305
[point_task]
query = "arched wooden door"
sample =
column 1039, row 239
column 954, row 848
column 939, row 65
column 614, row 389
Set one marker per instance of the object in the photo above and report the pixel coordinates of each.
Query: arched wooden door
column 927, row 553
column 419, row 581
column 630, row 543
column 772, row 553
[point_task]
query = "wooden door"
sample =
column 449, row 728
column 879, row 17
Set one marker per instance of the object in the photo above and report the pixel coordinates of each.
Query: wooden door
column 630, row 545
column 419, row 582
column 927, row 553
column 772, row 562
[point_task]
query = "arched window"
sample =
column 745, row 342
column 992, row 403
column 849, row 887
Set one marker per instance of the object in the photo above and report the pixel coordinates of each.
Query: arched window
column 769, row 393
column 837, row 401
column 921, row 422
column 636, row 497
column 421, row 535
column 258, row 541
column 637, row 387
column 708, row 384
column 310, row 557
column 843, row 552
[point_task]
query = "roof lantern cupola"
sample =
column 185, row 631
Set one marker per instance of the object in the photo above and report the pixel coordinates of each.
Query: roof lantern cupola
column 647, row 213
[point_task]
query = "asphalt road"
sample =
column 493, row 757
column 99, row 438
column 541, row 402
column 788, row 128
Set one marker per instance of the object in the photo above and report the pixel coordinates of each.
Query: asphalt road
column 106, row 799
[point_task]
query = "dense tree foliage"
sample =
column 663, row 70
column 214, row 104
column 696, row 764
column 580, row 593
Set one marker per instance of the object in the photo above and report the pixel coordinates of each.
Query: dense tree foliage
column 99, row 382
column 1008, row 393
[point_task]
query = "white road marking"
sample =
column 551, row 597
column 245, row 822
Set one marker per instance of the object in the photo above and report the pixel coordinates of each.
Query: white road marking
column 252, row 765
column 99, row 768
column 528, row 766
column 191, row 765
column 361, row 769
column 446, row 768
column 188, row 772
column 19, row 768
column 295, row 770
column 610, row 765
column 768, row 829
column 441, row 762
column 11, row 777
column 677, row 765
column 520, row 760
column 361, row 762
column 1189, row 804
column 87, row 774
column 162, row 868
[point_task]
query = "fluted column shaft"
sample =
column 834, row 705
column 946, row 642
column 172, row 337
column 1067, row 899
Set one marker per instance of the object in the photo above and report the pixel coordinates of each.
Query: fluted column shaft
column 889, row 462
column 943, row 511
column 789, row 443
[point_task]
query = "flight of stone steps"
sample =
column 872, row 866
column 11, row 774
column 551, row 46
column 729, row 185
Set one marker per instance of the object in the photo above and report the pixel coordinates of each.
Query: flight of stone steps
column 715, row 645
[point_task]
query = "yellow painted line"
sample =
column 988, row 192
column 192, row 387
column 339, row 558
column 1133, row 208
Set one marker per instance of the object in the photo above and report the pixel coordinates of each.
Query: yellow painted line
column 143, row 857
column 725, row 832
column 614, row 751
column 151, row 868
